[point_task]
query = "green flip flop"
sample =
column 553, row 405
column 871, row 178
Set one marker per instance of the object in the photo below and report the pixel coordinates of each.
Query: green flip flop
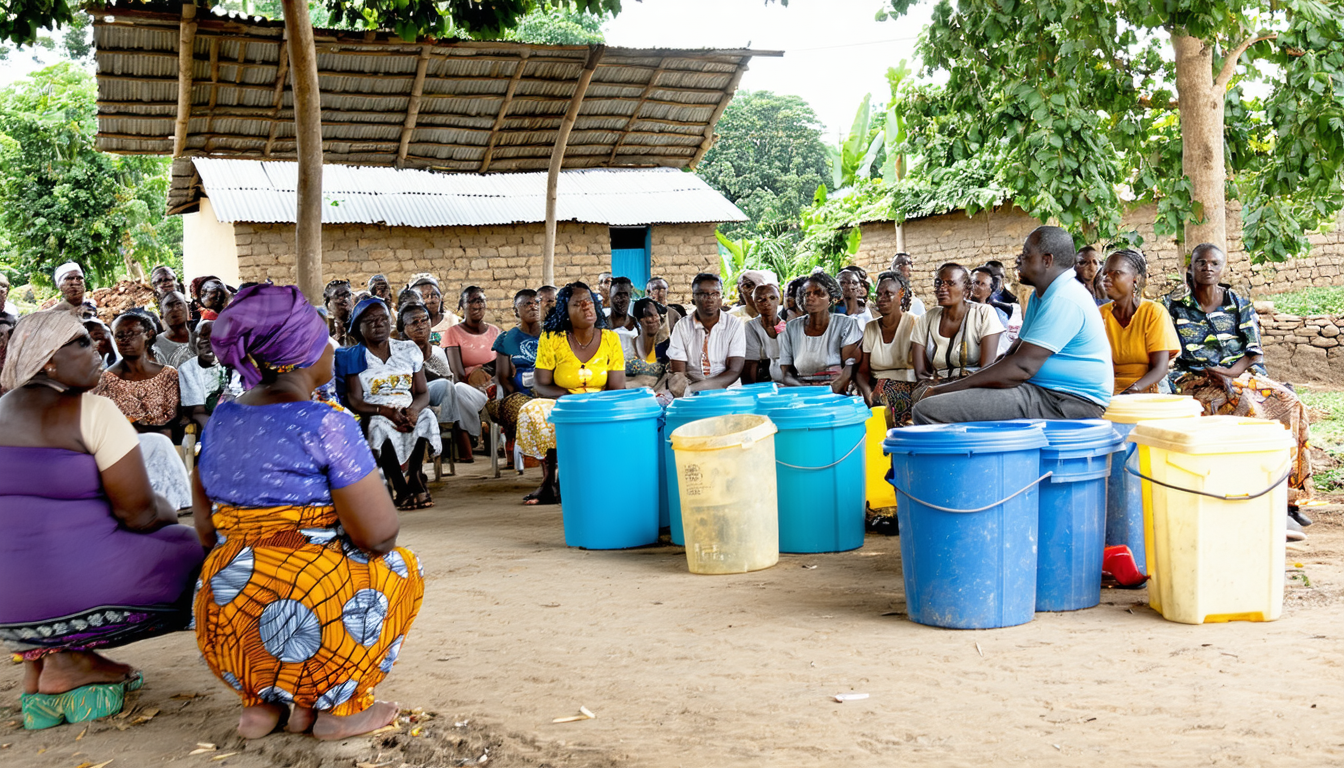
column 89, row 702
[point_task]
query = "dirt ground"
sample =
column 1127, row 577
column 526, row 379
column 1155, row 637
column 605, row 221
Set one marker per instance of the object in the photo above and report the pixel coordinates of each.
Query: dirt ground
column 685, row 670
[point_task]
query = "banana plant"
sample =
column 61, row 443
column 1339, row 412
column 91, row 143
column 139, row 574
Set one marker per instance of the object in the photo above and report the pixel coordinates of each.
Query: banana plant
column 853, row 158
column 894, row 132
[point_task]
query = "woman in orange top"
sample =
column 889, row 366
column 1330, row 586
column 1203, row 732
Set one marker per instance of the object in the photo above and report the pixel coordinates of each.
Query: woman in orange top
column 576, row 354
column 1143, row 338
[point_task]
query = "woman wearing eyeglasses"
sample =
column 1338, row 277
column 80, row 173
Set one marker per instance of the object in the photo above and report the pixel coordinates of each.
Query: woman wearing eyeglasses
column 958, row 337
column 576, row 354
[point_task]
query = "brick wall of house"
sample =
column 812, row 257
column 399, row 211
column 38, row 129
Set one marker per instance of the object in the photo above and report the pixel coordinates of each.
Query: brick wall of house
column 500, row 259
column 1302, row 348
column 999, row 234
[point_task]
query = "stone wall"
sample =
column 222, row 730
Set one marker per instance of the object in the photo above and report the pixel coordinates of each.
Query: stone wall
column 1299, row 349
column 500, row 259
column 999, row 234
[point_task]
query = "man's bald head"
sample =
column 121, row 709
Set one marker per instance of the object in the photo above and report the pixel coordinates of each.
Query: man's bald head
column 1056, row 242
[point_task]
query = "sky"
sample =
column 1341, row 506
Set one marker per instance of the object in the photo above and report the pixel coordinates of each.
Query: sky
column 834, row 50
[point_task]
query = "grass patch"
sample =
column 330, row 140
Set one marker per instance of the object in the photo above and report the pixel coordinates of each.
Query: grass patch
column 1327, row 434
column 1311, row 301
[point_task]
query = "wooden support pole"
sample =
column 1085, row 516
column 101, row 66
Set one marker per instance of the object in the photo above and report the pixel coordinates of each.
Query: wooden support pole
column 308, row 132
column 558, row 159
column 413, row 105
column 728, row 92
column 504, row 109
column 186, row 59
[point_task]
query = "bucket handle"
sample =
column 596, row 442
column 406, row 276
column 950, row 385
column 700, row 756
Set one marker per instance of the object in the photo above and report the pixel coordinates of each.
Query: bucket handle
column 856, row 447
column 1288, row 470
column 1029, row 486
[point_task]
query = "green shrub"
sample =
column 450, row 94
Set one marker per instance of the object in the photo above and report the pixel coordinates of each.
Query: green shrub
column 1311, row 301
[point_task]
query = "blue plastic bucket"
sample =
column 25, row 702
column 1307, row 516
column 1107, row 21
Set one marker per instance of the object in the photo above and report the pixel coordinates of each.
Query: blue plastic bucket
column 968, row 507
column 684, row 410
column 1072, row 535
column 608, row 506
column 819, row 471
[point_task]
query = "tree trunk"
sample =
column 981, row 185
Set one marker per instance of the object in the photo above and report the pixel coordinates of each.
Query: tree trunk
column 1202, row 102
column 308, row 130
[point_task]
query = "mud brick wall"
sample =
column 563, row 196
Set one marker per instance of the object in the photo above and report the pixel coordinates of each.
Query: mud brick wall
column 1302, row 348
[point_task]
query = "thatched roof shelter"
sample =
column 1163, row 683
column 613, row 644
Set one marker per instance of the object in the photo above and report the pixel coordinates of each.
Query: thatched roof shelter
column 457, row 106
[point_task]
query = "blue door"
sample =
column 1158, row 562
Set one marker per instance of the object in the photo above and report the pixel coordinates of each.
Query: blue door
column 630, row 255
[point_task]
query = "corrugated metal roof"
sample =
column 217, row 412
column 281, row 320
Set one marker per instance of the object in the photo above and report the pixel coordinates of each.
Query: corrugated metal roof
column 265, row 192
column 643, row 108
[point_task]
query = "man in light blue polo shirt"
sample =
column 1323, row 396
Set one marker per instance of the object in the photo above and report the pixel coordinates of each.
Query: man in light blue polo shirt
column 1060, row 366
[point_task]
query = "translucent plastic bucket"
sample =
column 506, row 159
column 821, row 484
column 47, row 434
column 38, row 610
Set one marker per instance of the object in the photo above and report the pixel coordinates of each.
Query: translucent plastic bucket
column 684, row 410
column 725, row 472
column 1125, row 493
column 1218, row 516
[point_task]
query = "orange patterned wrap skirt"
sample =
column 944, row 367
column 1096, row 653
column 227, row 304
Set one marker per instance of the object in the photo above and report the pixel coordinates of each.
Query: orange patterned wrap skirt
column 288, row 611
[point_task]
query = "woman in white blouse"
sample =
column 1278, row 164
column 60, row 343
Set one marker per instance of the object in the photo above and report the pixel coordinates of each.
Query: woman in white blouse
column 886, row 375
column 820, row 347
column 763, row 332
column 957, row 337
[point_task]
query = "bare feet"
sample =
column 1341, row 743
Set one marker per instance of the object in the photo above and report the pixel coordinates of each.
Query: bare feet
column 61, row 672
column 332, row 728
column 260, row 720
column 301, row 720
column 32, row 671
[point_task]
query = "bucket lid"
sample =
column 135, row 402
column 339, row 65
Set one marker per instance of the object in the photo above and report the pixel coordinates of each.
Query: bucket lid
column 717, row 432
column 1213, row 435
column 613, row 405
column 1077, row 434
column 971, row 437
column 814, row 411
column 762, row 388
column 686, row 408
column 808, row 391
column 1131, row 409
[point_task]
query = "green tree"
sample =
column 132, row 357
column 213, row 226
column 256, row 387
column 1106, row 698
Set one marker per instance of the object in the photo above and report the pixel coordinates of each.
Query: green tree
column 1076, row 102
column 60, row 199
column 769, row 160
column 557, row 26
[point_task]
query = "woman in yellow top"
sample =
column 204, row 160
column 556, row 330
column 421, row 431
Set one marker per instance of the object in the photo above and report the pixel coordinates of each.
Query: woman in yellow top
column 1143, row 338
column 576, row 354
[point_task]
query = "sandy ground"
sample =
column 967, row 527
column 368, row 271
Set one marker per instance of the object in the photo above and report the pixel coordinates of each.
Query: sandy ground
column 685, row 670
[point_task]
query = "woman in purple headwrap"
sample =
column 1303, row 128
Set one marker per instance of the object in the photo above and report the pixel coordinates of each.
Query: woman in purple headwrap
column 305, row 598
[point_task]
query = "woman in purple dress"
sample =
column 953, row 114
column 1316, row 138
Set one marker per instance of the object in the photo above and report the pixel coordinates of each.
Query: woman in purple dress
column 91, row 557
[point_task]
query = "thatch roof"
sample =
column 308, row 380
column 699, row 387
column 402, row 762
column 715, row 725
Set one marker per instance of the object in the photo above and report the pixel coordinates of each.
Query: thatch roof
column 458, row 106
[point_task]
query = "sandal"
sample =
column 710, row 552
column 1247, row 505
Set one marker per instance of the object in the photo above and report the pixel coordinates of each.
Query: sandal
column 405, row 502
column 89, row 702
column 543, row 496
column 426, row 503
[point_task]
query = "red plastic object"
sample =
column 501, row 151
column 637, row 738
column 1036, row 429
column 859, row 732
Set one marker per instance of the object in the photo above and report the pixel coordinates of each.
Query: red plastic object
column 1118, row 563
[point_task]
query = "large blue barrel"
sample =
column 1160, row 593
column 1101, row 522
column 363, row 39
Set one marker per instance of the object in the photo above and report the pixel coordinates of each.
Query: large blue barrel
column 684, row 410
column 1072, row 536
column 968, row 506
column 606, row 505
column 819, row 470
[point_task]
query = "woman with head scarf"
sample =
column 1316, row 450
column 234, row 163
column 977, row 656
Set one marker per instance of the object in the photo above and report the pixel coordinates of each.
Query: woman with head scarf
column 210, row 296
column 746, row 289
column 305, row 599
column 117, row 568
column 385, row 382
column 762, row 363
column 144, row 389
column 69, row 280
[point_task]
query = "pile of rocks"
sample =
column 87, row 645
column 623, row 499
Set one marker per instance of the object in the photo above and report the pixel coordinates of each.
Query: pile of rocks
column 1302, row 348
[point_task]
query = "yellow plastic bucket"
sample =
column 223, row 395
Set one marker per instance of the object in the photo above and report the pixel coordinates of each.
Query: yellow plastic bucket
column 879, row 492
column 1126, row 495
column 726, row 481
column 1217, row 521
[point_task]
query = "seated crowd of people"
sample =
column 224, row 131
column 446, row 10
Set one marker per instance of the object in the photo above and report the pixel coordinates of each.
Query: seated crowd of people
column 295, row 530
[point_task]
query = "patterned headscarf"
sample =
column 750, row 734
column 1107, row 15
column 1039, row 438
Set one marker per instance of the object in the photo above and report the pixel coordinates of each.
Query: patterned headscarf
column 196, row 284
column 268, row 327
column 422, row 278
column 35, row 339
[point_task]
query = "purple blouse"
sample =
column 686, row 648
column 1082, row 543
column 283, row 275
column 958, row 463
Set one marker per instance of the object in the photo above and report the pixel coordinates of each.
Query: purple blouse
column 281, row 454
